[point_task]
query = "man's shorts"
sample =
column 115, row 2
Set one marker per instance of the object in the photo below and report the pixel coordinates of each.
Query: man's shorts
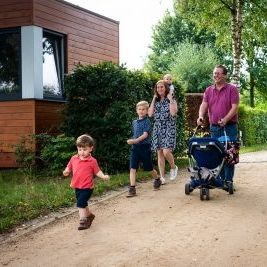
column 83, row 196
column 141, row 153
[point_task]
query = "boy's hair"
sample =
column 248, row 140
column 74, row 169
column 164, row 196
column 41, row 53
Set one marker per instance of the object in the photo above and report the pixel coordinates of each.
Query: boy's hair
column 142, row 103
column 85, row 140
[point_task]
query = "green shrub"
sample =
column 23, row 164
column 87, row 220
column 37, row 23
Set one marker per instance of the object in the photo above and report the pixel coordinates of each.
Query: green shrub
column 253, row 125
column 57, row 152
column 193, row 65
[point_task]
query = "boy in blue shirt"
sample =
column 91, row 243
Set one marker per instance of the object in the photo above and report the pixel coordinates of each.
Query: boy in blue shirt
column 141, row 147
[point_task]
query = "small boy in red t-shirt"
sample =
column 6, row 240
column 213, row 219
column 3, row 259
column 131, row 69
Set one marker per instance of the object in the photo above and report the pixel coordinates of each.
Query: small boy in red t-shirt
column 83, row 168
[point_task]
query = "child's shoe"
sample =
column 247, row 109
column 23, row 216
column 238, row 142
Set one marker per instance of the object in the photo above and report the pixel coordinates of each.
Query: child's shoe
column 132, row 191
column 83, row 224
column 157, row 183
column 173, row 173
column 90, row 219
column 163, row 181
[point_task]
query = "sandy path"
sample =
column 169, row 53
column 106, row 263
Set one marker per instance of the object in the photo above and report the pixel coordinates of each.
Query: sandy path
column 159, row 228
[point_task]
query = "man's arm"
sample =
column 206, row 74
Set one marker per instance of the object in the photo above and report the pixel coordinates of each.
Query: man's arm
column 232, row 112
column 202, row 111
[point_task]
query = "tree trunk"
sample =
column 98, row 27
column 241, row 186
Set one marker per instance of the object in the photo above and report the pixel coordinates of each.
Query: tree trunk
column 237, row 14
column 251, row 90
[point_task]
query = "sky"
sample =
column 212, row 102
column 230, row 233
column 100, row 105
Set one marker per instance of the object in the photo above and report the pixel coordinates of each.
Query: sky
column 136, row 21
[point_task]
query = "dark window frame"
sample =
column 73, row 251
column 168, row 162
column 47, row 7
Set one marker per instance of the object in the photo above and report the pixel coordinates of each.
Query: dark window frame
column 62, row 61
column 14, row 95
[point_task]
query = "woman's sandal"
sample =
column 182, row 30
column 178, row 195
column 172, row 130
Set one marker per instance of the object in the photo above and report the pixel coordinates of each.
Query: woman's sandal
column 83, row 224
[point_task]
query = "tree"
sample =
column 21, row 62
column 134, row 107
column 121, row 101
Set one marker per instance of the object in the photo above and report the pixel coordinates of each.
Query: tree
column 218, row 16
column 255, row 49
column 167, row 35
column 193, row 65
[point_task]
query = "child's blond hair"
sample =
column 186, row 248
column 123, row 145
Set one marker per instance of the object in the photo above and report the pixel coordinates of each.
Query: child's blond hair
column 167, row 75
column 143, row 104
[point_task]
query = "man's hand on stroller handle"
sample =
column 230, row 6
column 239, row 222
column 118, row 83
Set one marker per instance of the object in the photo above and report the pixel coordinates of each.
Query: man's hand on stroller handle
column 200, row 121
column 222, row 122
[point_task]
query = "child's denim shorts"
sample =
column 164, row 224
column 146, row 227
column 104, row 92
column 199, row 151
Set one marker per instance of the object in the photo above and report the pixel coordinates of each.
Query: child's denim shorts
column 83, row 196
column 141, row 154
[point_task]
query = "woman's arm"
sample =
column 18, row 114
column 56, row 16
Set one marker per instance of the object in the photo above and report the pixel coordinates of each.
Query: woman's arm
column 152, row 106
column 173, row 105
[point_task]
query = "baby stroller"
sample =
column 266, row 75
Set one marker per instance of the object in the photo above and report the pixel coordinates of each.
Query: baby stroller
column 207, row 157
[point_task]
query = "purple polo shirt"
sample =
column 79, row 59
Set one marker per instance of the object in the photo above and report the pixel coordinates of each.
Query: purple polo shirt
column 220, row 101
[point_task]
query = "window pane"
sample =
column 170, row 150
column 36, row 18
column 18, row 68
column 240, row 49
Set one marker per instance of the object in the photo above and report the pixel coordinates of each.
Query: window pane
column 10, row 46
column 52, row 65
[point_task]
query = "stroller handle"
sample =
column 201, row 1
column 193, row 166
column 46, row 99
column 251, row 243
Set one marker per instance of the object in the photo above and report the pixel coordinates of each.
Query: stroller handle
column 225, row 139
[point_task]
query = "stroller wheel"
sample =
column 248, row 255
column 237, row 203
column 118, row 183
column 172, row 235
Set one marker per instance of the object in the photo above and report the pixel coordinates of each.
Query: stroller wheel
column 204, row 192
column 230, row 188
column 207, row 194
column 187, row 189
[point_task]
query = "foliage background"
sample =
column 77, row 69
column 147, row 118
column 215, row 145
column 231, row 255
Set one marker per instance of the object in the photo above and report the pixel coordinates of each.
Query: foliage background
column 101, row 102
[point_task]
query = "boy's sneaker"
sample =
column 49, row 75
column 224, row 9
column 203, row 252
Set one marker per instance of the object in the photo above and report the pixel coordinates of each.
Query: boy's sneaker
column 132, row 191
column 173, row 173
column 163, row 181
column 157, row 183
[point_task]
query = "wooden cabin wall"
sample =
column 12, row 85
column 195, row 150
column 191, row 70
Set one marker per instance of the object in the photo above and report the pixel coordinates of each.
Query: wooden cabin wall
column 48, row 117
column 16, row 13
column 21, row 119
column 91, row 38
column 17, row 120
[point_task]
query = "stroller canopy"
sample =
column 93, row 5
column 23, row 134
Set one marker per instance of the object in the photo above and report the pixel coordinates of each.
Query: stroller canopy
column 207, row 152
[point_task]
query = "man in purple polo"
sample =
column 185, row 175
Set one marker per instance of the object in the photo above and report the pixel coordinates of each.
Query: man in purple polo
column 221, row 101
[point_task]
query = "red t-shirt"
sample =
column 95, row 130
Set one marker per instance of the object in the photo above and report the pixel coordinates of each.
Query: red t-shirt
column 83, row 172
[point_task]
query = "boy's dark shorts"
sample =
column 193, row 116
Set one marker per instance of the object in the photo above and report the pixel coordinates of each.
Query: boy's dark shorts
column 83, row 196
column 141, row 153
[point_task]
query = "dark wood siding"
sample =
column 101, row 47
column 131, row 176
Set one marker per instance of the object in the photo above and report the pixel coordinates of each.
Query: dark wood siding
column 91, row 38
column 15, row 13
column 48, row 117
column 16, row 121
column 20, row 119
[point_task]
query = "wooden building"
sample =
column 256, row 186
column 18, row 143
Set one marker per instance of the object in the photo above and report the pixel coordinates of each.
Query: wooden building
column 40, row 41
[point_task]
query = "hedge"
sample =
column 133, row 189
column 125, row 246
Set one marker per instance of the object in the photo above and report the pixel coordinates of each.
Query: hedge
column 101, row 102
column 253, row 125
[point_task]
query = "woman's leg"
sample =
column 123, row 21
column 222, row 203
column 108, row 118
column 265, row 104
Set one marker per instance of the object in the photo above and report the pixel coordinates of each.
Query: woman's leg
column 161, row 162
column 169, row 157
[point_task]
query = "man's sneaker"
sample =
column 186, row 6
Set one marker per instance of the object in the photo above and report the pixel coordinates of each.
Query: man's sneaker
column 157, row 183
column 173, row 173
column 132, row 191
column 163, row 181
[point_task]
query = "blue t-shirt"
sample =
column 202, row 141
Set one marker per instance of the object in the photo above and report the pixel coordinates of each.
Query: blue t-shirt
column 139, row 127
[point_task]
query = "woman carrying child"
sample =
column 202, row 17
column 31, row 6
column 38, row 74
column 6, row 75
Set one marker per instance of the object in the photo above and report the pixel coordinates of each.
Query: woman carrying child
column 164, row 110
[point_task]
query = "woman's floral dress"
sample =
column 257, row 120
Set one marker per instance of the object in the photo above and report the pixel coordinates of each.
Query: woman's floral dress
column 164, row 128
